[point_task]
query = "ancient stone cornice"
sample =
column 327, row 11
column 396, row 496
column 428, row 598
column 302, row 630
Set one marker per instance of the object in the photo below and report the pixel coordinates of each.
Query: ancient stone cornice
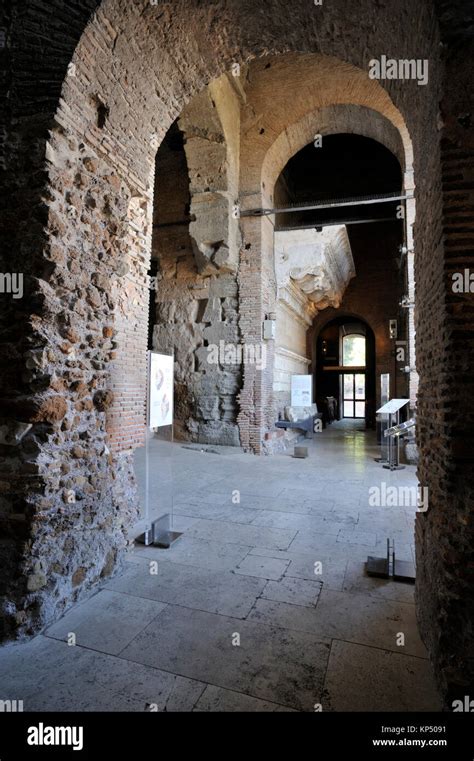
column 318, row 264
column 292, row 355
column 292, row 299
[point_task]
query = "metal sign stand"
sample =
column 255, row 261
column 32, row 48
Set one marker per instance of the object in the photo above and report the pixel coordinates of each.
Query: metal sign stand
column 392, row 408
column 383, row 420
column 147, row 537
column 390, row 567
column 159, row 532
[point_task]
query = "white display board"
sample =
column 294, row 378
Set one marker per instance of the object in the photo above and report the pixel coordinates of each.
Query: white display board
column 301, row 390
column 384, row 388
column 393, row 406
column 161, row 383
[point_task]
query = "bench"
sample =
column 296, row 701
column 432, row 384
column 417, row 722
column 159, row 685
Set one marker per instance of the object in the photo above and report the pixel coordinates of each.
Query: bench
column 301, row 418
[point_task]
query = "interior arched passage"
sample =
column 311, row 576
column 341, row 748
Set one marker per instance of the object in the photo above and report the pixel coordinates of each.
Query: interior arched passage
column 341, row 118
column 327, row 261
column 79, row 215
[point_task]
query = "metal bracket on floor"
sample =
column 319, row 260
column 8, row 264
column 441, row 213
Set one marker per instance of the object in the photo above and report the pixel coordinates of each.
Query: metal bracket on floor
column 163, row 534
column 146, row 538
column 390, row 567
column 160, row 534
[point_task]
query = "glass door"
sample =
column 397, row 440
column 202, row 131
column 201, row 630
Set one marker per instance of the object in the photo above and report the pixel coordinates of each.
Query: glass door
column 354, row 395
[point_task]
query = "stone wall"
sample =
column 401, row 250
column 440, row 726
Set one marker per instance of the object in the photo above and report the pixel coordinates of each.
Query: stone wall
column 292, row 323
column 135, row 67
column 196, row 243
column 313, row 270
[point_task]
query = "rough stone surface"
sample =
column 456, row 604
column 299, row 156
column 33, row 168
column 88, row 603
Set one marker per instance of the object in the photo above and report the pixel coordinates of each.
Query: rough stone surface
column 81, row 143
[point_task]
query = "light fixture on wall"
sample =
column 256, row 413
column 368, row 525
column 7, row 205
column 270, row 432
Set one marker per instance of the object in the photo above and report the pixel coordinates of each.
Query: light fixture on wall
column 269, row 327
column 405, row 303
column 392, row 329
column 325, row 347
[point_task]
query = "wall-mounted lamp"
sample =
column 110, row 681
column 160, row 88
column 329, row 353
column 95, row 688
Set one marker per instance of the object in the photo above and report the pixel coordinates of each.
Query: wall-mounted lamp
column 392, row 329
column 269, row 327
column 405, row 303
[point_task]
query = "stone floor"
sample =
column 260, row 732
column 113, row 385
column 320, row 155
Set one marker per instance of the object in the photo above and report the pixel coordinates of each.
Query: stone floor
column 262, row 605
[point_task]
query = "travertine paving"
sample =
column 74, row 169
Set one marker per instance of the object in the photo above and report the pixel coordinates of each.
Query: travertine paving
column 262, row 605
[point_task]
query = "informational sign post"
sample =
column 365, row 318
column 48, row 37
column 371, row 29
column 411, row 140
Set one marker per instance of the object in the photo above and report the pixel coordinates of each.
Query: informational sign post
column 160, row 399
column 382, row 419
column 161, row 390
column 301, row 390
column 392, row 409
column 384, row 388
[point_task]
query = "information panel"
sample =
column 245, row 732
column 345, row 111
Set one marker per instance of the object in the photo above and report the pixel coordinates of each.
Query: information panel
column 301, row 390
column 391, row 407
column 384, row 388
column 161, row 390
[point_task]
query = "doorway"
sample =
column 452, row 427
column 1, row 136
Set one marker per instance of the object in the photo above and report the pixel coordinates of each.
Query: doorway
column 345, row 370
column 353, row 391
column 353, row 395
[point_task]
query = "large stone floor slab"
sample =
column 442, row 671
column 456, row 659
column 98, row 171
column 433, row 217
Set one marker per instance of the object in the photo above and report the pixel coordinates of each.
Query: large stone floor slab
column 357, row 580
column 215, row 699
column 189, row 586
column 313, row 566
column 202, row 553
column 295, row 522
column 294, row 591
column 253, row 536
column 251, row 486
column 368, row 679
column 272, row 664
column 107, row 622
column 228, row 513
column 368, row 620
column 262, row 567
column 49, row 675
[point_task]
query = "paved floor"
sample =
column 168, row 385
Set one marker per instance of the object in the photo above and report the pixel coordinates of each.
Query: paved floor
column 262, row 605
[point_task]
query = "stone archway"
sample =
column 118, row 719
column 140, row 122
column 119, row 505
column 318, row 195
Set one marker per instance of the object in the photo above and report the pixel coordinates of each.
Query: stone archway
column 78, row 158
column 348, row 102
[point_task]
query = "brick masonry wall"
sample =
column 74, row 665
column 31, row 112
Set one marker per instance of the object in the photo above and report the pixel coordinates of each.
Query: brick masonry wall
column 445, row 535
column 119, row 116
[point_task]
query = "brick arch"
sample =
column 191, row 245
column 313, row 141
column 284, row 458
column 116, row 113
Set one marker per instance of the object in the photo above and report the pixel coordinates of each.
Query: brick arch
column 360, row 120
column 322, row 320
column 83, row 140
column 338, row 119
